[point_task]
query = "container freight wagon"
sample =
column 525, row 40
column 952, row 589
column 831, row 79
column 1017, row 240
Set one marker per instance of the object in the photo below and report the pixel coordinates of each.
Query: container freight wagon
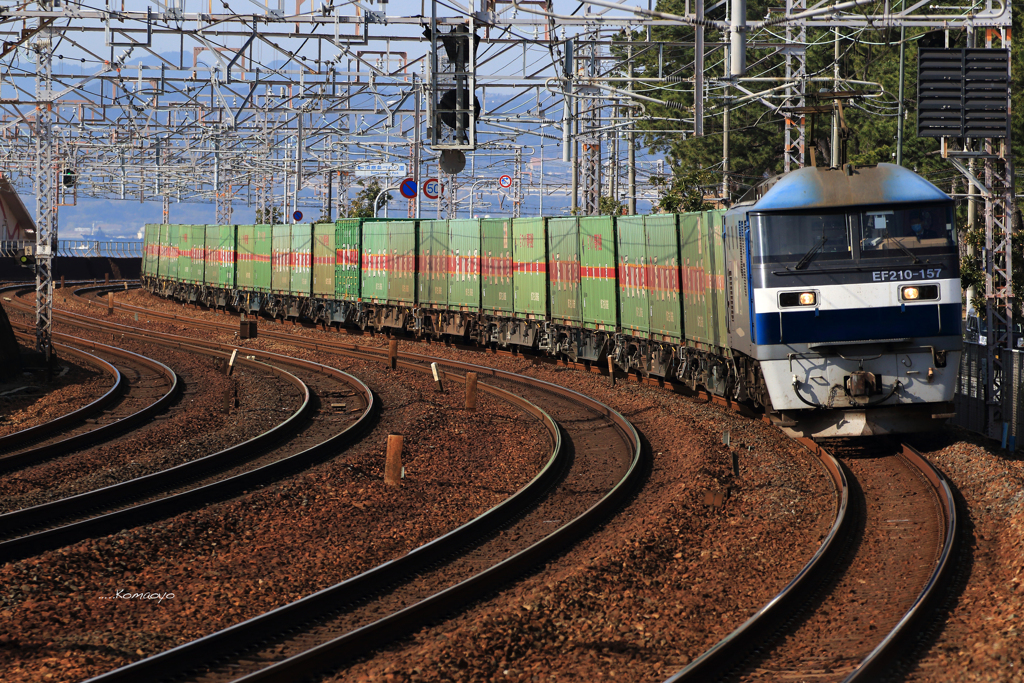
column 564, row 271
column 151, row 250
column 253, row 265
column 168, row 265
column 497, row 276
column 280, row 259
column 324, row 252
column 464, row 278
column 300, row 261
column 220, row 257
column 599, row 309
column 634, row 304
column 703, row 279
column 432, row 250
column 348, row 239
column 191, row 256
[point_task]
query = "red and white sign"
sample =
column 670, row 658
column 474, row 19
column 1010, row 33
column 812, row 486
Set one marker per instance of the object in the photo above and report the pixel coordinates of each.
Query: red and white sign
column 432, row 188
column 505, row 181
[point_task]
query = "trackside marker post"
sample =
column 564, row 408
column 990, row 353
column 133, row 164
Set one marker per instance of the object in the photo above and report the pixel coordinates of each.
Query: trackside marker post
column 393, row 464
column 470, row 391
column 611, row 372
column 231, row 363
column 110, row 303
column 437, row 377
column 393, row 353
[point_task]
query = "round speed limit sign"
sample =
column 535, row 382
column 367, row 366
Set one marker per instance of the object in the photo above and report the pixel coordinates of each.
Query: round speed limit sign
column 432, row 188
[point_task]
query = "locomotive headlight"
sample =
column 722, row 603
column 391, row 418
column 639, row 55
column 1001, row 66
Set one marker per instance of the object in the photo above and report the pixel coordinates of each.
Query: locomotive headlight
column 919, row 292
column 788, row 299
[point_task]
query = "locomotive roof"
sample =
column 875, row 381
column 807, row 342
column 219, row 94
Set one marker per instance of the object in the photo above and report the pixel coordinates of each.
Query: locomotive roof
column 811, row 188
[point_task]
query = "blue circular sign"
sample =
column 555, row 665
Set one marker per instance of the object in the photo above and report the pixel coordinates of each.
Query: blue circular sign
column 297, row 215
column 408, row 188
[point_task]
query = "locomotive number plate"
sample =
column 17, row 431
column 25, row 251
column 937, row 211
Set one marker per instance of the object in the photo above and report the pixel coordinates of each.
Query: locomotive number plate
column 906, row 274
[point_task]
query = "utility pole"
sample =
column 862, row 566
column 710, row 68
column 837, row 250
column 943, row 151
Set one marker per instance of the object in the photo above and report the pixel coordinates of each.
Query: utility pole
column 46, row 213
column 899, row 110
column 835, row 161
column 631, row 136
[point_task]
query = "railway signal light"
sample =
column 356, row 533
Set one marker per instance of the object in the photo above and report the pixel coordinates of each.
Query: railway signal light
column 26, row 257
column 68, row 178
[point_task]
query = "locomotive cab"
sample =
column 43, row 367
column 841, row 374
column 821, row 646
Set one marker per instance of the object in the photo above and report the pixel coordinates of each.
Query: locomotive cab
column 853, row 299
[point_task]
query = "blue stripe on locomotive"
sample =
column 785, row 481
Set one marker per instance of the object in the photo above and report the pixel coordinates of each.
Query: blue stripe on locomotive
column 886, row 322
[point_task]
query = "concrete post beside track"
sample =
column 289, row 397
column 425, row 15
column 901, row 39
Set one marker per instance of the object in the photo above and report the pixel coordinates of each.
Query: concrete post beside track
column 393, row 353
column 393, row 465
column 471, row 391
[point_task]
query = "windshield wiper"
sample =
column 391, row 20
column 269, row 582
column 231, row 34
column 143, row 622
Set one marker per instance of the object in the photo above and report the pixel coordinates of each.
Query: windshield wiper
column 809, row 255
column 902, row 247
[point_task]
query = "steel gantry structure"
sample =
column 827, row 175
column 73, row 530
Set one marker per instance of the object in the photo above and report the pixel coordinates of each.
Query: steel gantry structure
column 276, row 104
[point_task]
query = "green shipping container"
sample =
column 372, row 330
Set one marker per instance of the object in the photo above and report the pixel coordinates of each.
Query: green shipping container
column 324, row 255
column 347, row 240
column 220, row 256
column 254, row 257
column 663, row 277
column 719, row 295
column 280, row 260
column 564, row 270
column 531, row 278
column 497, row 274
column 433, row 264
column 192, row 253
column 597, row 273
column 300, row 260
column 703, row 276
column 151, row 250
column 168, row 252
column 401, row 263
column 464, row 275
column 631, row 248
column 374, row 262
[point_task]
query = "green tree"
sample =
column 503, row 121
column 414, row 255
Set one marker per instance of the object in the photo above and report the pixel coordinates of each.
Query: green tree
column 362, row 205
column 686, row 192
column 269, row 216
column 609, row 206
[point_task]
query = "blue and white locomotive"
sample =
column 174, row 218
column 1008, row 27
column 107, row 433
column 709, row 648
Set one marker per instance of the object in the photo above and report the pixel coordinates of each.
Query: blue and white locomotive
column 845, row 292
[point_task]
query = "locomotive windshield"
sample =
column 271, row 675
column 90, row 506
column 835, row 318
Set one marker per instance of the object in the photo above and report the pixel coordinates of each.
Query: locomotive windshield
column 904, row 232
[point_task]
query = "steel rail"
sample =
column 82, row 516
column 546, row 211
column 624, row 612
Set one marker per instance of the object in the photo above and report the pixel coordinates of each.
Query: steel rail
column 20, row 438
column 723, row 656
column 885, row 655
column 34, row 456
column 722, row 659
column 241, row 636
column 135, row 515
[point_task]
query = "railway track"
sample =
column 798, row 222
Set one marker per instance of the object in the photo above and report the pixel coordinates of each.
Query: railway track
column 898, row 524
column 771, row 645
column 278, row 452
column 597, row 465
column 142, row 388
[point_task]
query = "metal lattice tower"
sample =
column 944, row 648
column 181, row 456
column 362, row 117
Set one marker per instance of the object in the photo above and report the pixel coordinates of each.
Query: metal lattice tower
column 796, row 70
column 517, row 184
column 46, row 212
column 590, row 138
column 222, row 188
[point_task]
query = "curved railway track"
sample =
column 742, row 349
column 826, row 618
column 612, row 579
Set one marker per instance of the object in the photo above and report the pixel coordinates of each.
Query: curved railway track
column 598, row 464
column 829, row 623
column 770, row 644
column 277, row 452
column 143, row 387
